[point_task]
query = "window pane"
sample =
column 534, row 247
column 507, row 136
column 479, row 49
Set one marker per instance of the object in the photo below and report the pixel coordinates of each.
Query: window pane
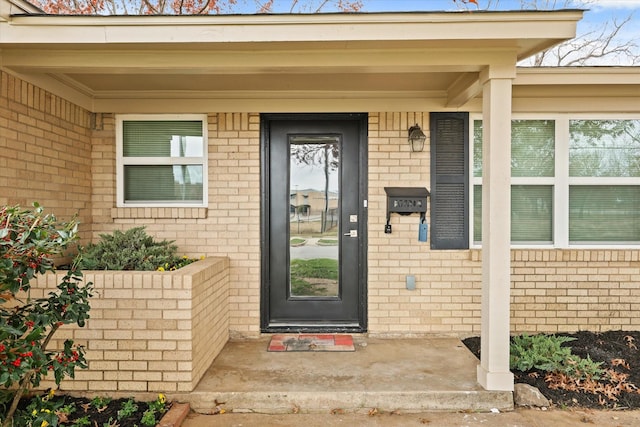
column 532, row 148
column 477, row 148
column 608, row 148
column 605, row 213
column 531, row 213
column 162, row 138
column 477, row 213
column 163, row 183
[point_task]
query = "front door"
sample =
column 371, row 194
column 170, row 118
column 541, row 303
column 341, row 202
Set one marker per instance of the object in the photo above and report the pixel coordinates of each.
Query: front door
column 314, row 222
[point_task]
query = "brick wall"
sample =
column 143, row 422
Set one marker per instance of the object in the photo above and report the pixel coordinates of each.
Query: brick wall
column 229, row 226
column 149, row 331
column 445, row 298
column 570, row 290
column 45, row 146
column 549, row 293
column 553, row 290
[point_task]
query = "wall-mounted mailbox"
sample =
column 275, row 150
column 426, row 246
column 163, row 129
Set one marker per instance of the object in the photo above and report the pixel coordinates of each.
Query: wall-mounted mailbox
column 405, row 201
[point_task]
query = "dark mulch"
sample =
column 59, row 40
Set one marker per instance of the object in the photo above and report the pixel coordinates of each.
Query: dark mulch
column 601, row 347
column 101, row 414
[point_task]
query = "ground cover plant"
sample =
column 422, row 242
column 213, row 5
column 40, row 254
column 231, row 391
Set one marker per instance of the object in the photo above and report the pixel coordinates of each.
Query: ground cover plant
column 99, row 411
column 583, row 369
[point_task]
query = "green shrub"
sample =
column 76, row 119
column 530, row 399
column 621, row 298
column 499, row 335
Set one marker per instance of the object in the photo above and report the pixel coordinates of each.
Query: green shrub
column 133, row 249
column 29, row 239
column 544, row 352
column 582, row 369
column 547, row 353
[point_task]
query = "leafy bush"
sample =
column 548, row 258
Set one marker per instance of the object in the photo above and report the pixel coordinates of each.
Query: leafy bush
column 133, row 249
column 582, row 369
column 547, row 353
column 28, row 241
column 544, row 352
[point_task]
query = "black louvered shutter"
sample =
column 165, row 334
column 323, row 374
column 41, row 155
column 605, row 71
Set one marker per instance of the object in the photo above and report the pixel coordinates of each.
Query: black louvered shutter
column 449, row 180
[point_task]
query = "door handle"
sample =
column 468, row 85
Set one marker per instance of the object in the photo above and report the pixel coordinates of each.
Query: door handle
column 352, row 233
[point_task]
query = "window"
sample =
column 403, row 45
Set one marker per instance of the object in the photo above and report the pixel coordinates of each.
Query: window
column 574, row 181
column 604, row 181
column 161, row 160
column 532, row 172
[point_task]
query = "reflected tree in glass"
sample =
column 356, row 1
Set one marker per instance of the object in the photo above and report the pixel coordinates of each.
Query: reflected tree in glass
column 604, row 148
column 313, row 178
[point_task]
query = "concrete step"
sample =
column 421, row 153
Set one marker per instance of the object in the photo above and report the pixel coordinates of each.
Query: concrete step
column 408, row 375
column 349, row 401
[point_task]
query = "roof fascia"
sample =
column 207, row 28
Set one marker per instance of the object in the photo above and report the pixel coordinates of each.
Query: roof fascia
column 550, row 25
column 577, row 76
column 11, row 8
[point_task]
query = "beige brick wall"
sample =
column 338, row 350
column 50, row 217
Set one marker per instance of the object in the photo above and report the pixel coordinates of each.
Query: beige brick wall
column 149, row 331
column 447, row 295
column 45, row 151
column 548, row 294
column 229, row 226
column 570, row 290
column 552, row 290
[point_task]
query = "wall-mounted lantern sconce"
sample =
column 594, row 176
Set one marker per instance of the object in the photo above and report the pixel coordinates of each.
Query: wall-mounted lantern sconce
column 416, row 138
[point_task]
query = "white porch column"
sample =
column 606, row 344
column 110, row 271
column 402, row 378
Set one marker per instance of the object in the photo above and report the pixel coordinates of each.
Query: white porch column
column 493, row 371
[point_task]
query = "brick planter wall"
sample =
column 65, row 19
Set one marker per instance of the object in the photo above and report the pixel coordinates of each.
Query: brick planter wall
column 149, row 331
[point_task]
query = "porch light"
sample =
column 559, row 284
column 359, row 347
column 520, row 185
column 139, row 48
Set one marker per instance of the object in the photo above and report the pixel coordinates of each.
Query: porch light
column 416, row 138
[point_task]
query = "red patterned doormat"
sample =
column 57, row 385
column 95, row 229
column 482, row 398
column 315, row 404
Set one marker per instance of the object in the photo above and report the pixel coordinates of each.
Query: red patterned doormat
column 311, row 342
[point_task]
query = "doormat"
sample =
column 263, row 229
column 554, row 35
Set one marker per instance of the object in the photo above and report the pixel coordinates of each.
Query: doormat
column 311, row 342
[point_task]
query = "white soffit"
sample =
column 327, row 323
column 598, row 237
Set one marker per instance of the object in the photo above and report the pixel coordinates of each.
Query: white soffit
column 397, row 55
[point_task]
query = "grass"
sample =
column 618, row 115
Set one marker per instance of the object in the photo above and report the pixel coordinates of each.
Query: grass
column 296, row 241
column 327, row 242
column 318, row 268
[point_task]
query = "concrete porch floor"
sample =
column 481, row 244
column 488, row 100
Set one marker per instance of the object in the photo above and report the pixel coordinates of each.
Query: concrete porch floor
column 409, row 375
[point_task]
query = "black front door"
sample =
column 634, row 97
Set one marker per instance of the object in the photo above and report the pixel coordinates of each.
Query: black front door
column 314, row 222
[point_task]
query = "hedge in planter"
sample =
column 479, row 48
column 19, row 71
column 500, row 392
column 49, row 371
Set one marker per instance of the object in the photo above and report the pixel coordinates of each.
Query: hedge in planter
column 132, row 249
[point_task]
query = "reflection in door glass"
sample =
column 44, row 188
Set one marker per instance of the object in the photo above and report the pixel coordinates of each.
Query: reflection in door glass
column 313, row 215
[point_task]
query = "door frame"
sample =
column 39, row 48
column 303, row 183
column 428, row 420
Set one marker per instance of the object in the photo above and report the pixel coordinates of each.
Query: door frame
column 265, row 121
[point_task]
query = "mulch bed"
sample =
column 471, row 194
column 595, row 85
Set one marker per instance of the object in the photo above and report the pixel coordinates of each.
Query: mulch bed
column 101, row 415
column 618, row 350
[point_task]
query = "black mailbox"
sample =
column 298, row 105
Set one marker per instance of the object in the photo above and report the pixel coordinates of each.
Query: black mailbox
column 405, row 201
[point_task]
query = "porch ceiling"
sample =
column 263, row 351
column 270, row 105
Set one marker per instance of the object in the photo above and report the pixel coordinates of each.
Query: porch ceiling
column 103, row 63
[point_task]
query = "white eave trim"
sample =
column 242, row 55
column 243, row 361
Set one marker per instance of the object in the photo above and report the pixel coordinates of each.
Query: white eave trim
column 577, row 76
column 11, row 8
column 341, row 27
column 306, row 18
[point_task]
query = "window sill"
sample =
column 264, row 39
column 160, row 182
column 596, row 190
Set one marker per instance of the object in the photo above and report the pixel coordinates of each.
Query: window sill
column 155, row 213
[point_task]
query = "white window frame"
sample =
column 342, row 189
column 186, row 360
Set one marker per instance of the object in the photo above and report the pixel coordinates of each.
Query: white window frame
column 560, row 182
column 122, row 161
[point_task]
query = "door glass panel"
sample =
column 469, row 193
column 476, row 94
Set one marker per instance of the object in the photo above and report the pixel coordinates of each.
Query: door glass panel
column 313, row 215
